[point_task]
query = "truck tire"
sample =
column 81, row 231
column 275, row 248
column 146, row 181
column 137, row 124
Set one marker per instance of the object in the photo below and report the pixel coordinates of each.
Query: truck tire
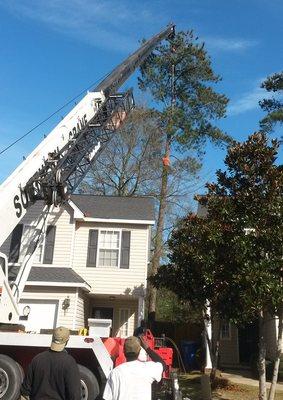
column 89, row 384
column 22, row 374
column 10, row 378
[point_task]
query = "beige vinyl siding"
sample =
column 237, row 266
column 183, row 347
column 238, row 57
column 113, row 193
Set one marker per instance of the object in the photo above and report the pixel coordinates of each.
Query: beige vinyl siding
column 117, row 305
column 80, row 311
column 65, row 317
column 112, row 280
column 64, row 233
column 63, row 239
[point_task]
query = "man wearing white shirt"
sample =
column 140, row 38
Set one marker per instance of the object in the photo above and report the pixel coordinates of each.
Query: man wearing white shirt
column 133, row 379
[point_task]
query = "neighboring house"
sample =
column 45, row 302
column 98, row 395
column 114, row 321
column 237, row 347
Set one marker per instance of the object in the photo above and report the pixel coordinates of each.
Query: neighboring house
column 239, row 344
column 92, row 262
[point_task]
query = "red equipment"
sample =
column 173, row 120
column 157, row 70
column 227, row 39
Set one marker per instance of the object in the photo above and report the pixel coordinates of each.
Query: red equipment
column 115, row 347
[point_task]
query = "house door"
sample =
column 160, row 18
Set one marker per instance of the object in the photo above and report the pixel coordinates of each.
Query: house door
column 248, row 342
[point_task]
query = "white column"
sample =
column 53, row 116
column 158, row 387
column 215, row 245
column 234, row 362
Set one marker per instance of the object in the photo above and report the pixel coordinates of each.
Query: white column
column 208, row 363
column 140, row 309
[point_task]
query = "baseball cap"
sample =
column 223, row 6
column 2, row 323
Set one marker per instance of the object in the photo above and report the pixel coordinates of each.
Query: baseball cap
column 132, row 345
column 59, row 339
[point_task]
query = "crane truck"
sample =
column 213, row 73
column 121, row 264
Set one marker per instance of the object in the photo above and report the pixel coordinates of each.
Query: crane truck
column 51, row 173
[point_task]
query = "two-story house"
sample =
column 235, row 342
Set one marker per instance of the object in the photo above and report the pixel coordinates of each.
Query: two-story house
column 91, row 263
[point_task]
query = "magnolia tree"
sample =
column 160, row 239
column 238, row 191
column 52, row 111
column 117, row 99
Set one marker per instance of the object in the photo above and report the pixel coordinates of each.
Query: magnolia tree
column 232, row 258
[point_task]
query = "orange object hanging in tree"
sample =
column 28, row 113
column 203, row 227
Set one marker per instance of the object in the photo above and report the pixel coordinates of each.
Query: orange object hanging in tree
column 166, row 161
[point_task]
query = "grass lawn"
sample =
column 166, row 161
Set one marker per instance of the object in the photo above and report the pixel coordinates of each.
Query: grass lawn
column 191, row 388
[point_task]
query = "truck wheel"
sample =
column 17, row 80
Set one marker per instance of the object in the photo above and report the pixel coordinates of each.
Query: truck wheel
column 89, row 384
column 22, row 374
column 10, row 378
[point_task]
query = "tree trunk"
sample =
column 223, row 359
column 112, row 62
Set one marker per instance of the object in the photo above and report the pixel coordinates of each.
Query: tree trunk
column 158, row 242
column 278, row 354
column 215, row 356
column 205, row 378
column 215, row 351
column 261, row 359
column 209, row 344
column 207, row 339
column 212, row 343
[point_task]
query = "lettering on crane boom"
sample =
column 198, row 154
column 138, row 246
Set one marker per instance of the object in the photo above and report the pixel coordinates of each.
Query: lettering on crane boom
column 80, row 125
column 21, row 200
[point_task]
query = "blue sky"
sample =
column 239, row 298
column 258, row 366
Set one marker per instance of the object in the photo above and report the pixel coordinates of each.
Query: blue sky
column 51, row 50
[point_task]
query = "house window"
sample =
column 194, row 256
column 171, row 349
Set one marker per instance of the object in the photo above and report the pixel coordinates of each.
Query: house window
column 24, row 239
column 28, row 235
column 225, row 330
column 124, row 314
column 109, row 246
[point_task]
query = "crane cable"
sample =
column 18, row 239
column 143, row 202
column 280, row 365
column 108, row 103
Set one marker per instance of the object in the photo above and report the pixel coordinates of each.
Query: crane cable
column 52, row 114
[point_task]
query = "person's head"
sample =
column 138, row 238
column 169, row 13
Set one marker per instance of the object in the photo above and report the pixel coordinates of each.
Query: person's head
column 60, row 338
column 132, row 347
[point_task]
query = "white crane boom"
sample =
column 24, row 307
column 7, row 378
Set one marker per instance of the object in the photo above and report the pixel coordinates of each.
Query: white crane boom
column 13, row 197
column 59, row 163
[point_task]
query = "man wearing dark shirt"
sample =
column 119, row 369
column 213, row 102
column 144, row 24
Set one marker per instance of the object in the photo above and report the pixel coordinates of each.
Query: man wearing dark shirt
column 53, row 374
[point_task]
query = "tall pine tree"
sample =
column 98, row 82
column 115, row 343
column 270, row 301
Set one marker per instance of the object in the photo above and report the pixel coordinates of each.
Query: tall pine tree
column 180, row 78
column 272, row 106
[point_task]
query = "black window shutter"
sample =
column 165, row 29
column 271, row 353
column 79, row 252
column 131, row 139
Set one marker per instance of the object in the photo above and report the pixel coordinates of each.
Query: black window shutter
column 92, row 248
column 49, row 244
column 125, row 249
column 16, row 243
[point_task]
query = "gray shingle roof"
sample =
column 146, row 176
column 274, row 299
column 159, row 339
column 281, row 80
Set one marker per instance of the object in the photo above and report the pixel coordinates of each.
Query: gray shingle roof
column 115, row 207
column 54, row 274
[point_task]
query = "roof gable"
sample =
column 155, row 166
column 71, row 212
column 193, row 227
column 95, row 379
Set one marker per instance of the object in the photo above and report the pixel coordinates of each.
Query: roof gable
column 138, row 209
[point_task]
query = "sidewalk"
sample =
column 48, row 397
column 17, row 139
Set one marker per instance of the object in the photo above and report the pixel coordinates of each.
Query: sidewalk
column 243, row 377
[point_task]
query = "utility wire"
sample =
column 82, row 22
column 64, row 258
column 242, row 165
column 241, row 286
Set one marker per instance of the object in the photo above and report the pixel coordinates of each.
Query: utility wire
column 51, row 115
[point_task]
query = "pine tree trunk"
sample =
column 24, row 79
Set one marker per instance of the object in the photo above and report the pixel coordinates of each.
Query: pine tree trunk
column 261, row 359
column 278, row 354
column 158, row 242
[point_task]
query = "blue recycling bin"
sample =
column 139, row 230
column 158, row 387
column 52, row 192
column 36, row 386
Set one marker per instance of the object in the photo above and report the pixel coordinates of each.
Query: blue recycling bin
column 188, row 350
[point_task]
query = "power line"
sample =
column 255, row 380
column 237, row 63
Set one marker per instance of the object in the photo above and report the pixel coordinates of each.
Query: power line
column 52, row 115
